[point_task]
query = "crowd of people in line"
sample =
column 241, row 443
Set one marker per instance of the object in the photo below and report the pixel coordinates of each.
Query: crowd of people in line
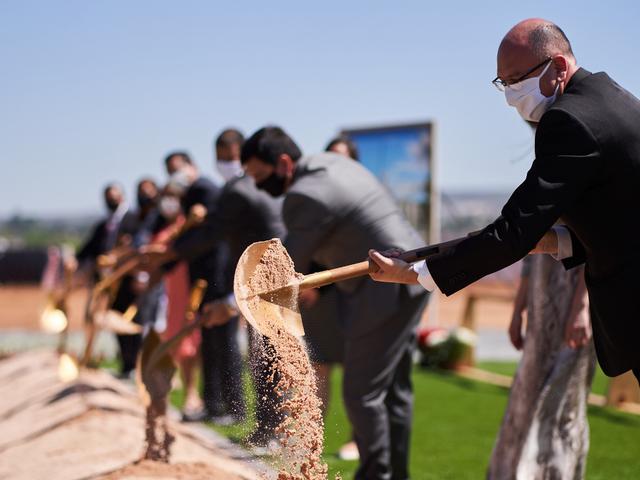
column 238, row 213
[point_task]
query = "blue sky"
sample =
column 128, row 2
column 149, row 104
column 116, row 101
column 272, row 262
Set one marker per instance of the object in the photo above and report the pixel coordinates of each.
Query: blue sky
column 95, row 91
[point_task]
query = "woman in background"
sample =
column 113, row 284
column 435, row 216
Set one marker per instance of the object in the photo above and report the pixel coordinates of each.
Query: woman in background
column 176, row 282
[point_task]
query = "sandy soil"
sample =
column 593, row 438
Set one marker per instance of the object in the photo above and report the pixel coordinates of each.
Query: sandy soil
column 91, row 428
column 162, row 471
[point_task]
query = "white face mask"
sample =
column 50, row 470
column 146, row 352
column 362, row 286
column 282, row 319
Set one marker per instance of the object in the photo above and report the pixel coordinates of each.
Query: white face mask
column 179, row 181
column 229, row 169
column 527, row 98
column 169, row 207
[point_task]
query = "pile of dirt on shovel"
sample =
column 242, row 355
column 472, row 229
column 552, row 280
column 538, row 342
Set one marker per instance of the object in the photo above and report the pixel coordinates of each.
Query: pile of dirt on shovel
column 94, row 428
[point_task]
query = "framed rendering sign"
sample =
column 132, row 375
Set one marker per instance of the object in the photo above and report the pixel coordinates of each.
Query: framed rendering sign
column 402, row 157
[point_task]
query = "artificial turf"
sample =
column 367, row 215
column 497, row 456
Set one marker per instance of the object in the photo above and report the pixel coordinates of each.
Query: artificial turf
column 455, row 424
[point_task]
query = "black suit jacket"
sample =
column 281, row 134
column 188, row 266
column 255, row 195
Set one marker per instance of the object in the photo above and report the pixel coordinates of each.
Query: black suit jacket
column 586, row 173
column 206, row 256
column 245, row 215
column 100, row 241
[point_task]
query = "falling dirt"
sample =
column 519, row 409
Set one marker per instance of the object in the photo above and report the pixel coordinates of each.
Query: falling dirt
column 154, row 385
column 158, row 439
column 301, row 431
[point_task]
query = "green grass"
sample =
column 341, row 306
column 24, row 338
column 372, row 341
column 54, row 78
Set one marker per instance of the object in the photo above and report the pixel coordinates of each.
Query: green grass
column 455, row 424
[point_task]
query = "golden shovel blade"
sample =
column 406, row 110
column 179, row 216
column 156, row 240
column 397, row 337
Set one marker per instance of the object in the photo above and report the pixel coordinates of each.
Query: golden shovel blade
column 153, row 382
column 116, row 322
column 68, row 369
column 273, row 305
column 53, row 320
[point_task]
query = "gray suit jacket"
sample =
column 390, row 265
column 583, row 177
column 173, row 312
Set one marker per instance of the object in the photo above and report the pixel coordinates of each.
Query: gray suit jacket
column 335, row 211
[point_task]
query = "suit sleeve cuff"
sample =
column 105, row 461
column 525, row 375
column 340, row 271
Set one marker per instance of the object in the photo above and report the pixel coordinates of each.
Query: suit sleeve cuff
column 424, row 277
column 565, row 245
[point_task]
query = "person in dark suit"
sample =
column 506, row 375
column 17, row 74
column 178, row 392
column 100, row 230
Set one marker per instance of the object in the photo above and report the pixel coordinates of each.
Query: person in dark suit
column 334, row 210
column 244, row 215
column 105, row 233
column 221, row 360
column 137, row 227
column 586, row 173
column 109, row 233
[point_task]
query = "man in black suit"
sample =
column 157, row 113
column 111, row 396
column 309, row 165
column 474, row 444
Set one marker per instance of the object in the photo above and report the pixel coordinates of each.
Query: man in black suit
column 586, row 173
column 221, row 360
column 106, row 235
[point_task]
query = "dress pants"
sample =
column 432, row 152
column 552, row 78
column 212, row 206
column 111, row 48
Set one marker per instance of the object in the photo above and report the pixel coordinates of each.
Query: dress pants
column 222, row 370
column 378, row 392
column 129, row 344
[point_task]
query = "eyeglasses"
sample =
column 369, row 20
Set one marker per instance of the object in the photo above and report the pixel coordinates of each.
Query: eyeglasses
column 501, row 84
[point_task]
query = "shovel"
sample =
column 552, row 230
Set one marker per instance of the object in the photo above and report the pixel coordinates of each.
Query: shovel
column 155, row 367
column 119, row 323
column 276, row 307
column 54, row 317
column 108, row 285
column 196, row 216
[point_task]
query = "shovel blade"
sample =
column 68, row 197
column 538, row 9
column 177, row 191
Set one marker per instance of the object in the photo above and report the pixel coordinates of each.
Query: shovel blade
column 153, row 381
column 53, row 320
column 113, row 321
column 271, row 312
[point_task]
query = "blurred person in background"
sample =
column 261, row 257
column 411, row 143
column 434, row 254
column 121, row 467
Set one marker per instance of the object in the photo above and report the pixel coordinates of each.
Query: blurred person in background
column 343, row 145
column 245, row 215
column 207, row 258
column 105, row 234
column 138, row 227
column 176, row 282
column 108, row 234
column 144, row 222
column 334, row 210
column 550, row 389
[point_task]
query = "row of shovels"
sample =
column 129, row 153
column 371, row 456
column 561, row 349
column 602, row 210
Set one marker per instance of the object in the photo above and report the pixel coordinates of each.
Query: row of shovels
column 118, row 263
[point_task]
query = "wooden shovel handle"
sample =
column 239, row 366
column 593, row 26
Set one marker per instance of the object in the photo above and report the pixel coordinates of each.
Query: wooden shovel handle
column 327, row 277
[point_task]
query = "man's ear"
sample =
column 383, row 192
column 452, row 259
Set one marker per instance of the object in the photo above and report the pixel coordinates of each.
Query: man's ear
column 285, row 166
column 561, row 66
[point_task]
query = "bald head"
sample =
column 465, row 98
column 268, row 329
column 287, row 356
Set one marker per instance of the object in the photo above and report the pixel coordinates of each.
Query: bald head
column 531, row 42
column 542, row 38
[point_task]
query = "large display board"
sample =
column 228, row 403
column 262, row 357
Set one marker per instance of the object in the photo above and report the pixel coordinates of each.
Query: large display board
column 402, row 157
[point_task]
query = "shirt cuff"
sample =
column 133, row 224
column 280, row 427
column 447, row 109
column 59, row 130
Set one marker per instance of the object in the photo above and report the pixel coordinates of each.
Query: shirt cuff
column 424, row 277
column 565, row 246
column 231, row 301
